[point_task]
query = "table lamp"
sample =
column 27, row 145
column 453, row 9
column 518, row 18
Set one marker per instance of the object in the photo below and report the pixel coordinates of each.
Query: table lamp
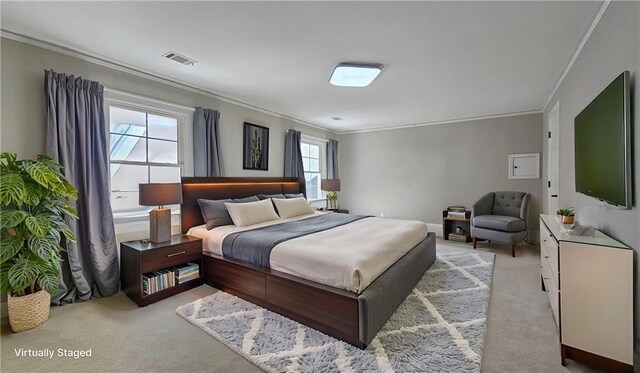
column 332, row 186
column 160, row 194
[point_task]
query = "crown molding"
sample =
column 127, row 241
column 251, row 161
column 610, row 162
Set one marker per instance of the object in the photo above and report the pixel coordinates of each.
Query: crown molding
column 423, row 124
column 577, row 52
column 130, row 69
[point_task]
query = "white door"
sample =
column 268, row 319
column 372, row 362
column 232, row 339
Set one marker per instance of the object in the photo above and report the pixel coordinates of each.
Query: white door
column 553, row 159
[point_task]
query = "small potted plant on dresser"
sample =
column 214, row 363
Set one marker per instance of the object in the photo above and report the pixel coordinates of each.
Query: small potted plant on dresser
column 35, row 200
column 567, row 216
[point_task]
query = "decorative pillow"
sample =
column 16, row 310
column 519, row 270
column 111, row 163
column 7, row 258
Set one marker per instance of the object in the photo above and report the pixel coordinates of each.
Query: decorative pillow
column 267, row 196
column 288, row 208
column 299, row 195
column 244, row 214
column 246, row 199
column 214, row 212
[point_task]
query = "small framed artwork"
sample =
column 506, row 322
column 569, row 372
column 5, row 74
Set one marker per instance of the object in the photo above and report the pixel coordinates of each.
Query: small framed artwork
column 256, row 147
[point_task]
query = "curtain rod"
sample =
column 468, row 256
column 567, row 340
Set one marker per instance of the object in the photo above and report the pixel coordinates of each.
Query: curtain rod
column 314, row 137
column 154, row 100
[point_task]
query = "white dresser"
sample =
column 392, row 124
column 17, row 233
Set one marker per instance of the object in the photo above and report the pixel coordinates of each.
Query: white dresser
column 589, row 281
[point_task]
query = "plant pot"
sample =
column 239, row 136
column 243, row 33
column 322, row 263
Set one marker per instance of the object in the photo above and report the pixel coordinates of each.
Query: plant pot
column 567, row 219
column 28, row 311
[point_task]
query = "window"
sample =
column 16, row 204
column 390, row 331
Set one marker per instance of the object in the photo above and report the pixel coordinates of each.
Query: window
column 143, row 148
column 313, row 159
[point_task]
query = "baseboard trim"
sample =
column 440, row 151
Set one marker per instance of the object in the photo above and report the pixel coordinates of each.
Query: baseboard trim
column 596, row 361
column 435, row 228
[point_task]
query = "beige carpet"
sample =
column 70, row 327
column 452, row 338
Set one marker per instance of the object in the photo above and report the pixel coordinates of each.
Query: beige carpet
column 521, row 334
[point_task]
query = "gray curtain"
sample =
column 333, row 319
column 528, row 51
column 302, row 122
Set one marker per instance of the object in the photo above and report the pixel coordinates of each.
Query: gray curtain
column 77, row 138
column 293, row 166
column 206, row 148
column 332, row 160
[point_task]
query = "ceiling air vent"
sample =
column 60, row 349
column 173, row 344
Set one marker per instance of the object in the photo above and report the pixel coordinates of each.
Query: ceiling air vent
column 180, row 58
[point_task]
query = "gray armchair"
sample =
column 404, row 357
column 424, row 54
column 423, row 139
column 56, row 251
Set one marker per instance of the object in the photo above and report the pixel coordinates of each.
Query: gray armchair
column 501, row 217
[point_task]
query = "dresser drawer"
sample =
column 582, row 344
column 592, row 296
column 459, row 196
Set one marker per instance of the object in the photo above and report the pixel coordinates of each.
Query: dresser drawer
column 549, row 251
column 552, row 291
column 170, row 256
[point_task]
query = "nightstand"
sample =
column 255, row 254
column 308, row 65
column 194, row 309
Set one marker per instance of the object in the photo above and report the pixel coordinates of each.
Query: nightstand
column 456, row 228
column 161, row 260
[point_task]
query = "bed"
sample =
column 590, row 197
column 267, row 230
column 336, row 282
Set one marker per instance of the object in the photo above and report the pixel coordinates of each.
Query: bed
column 350, row 311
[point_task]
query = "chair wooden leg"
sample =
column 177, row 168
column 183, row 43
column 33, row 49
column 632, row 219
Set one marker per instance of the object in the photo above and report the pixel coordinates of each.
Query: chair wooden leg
column 475, row 241
column 513, row 250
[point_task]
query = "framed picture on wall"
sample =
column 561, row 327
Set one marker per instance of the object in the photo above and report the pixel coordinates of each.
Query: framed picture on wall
column 256, row 147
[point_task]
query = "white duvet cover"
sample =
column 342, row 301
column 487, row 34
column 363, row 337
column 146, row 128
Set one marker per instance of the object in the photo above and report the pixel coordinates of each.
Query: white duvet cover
column 348, row 257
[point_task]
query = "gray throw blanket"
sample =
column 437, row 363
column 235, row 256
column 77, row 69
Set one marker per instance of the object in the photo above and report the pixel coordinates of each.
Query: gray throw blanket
column 254, row 246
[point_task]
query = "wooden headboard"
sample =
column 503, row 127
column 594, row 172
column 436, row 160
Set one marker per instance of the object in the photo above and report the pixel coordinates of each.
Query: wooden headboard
column 194, row 188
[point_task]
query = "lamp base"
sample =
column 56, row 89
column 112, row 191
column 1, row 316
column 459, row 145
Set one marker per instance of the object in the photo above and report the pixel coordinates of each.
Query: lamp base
column 160, row 225
column 331, row 201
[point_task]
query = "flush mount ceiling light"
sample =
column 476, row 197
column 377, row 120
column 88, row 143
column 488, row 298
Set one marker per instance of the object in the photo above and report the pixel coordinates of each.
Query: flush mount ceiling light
column 354, row 74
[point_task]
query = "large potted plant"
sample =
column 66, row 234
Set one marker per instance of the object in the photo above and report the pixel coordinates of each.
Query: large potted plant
column 34, row 199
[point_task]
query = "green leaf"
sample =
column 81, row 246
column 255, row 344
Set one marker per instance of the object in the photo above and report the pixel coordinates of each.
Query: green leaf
column 67, row 209
column 61, row 226
column 11, row 245
column 54, row 234
column 69, row 190
column 11, row 218
column 43, row 175
column 8, row 158
column 49, row 282
column 51, row 163
column 5, row 286
column 11, row 189
column 33, row 193
column 38, row 225
column 44, row 248
column 23, row 273
column 68, row 234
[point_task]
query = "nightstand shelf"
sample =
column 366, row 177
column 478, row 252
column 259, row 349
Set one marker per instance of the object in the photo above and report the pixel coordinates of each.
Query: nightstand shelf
column 137, row 259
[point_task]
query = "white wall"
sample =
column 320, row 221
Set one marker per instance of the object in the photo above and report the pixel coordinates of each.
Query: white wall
column 417, row 172
column 613, row 47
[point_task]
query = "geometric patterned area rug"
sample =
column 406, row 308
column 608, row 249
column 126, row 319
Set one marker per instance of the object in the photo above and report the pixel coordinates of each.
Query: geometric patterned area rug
column 440, row 326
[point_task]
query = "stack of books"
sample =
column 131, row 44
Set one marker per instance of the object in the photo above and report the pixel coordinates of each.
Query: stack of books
column 456, row 212
column 460, row 237
column 156, row 281
column 187, row 272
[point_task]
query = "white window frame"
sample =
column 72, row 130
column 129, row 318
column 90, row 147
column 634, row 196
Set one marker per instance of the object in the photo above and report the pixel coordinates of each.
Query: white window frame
column 184, row 116
column 322, row 143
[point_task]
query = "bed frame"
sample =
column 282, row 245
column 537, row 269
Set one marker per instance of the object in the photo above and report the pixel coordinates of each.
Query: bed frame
column 353, row 318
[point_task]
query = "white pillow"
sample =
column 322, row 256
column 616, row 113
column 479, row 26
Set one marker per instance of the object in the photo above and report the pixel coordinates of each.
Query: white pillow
column 288, row 208
column 249, row 213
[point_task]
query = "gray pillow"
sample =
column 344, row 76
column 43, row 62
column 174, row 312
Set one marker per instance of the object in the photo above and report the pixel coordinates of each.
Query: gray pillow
column 299, row 195
column 215, row 213
column 267, row 196
column 246, row 199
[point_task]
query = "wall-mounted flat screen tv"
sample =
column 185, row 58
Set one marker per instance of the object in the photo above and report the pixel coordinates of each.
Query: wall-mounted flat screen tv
column 603, row 145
